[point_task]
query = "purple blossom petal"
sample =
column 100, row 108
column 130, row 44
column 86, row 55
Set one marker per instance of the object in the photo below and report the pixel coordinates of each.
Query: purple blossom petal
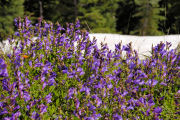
column 117, row 117
column 43, row 108
column 178, row 92
column 151, row 82
column 163, row 83
column 157, row 110
column 35, row 115
column 48, row 98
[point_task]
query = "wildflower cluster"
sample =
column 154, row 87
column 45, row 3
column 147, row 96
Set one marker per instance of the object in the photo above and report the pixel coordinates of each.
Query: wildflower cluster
column 59, row 73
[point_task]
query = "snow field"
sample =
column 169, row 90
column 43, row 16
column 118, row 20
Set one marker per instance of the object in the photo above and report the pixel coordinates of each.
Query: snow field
column 142, row 44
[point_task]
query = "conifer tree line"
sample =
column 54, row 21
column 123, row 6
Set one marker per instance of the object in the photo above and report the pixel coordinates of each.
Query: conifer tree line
column 135, row 17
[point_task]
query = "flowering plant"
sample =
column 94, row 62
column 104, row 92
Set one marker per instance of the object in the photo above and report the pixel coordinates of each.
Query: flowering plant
column 62, row 74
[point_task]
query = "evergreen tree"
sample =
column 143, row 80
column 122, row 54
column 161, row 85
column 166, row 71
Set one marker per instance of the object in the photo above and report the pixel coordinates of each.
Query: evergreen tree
column 98, row 15
column 125, row 21
column 31, row 8
column 174, row 11
column 35, row 9
column 63, row 11
column 9, row 10
column 148, row 12
column 167, row 24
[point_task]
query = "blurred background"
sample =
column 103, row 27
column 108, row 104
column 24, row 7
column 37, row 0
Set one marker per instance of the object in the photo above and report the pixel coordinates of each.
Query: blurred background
column 129, row 17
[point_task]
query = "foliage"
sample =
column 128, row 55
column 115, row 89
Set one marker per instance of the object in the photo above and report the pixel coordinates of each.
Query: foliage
column 62, row 11
column 149, row 14
column 62, row 74
column 124, row 15
column 53, row 10
column 174, row 11
column 9, row 9
column 137, row 17
column 98, row 15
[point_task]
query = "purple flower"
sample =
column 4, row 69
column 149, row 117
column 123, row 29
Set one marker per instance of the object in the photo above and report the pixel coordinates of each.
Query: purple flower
column 46, row 25
column 38, row 64
column 153, row 63
column 137, row 81
column 151, row 82
column 71, row 92
column 159, row 47
column 161, row 98
column 65, row 71
column 16, row 22
column 148, row 112
column 43, row 78
column 163, row 83
column 123, row 107
column 96, row 116
column 5, row 84
column 28, row 107
column 97, row 99
column 59, row 29
column 43, row 108
column 30, row 63
column 81, row 73
column 151, row 102
column 91, row 107
column 130, row 108
column 36, row 77
column 4, row 111
column 51, row 81
column 130, row 75
column 104, row 69
column 7, row 118
column 157, row 110
column 93, row 117
column 45, row 69
column 80, row 70
column 77, row 104
column 142, row 100
column 48, row 98
column 125, row 93
column 142, row 75
column 77, row 24
column 86, row 89
column 3, row 70
column 16, row 34
column 1, row 104
column 28, row 22
column 126, row 48
column 27, row 97
column 16, row 115
column 21, row 86
column 35, row 116
column 99, row 85
column 39, row 47
column 117, row 117
column 132, row 65
column 109, row 86
column 178, row 92
column 143, row 89
column 44, row 85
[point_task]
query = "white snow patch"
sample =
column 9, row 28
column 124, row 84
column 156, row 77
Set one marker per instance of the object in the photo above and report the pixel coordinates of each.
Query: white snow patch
column 143, row 44
column 6, row 47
